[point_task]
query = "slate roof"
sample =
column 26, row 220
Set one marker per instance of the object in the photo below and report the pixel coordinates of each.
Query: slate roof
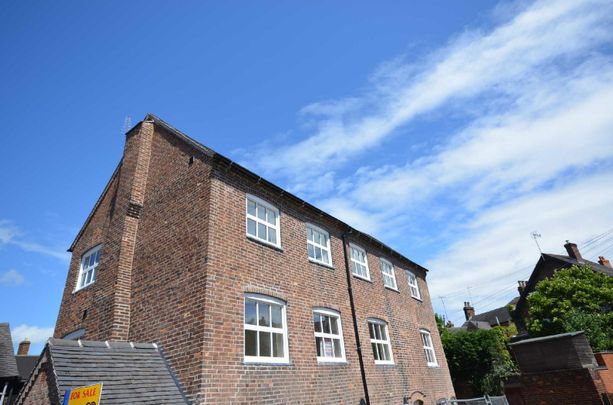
column 8, row 366
column 25, row 365
column 131, row 373
column 595, row 266
column 494, row 317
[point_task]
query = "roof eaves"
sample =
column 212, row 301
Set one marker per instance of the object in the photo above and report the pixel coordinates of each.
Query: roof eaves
column 219, row 158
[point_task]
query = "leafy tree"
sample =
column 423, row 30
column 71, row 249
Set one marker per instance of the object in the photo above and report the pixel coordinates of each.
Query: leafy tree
column 576, row 298
column 479, row 358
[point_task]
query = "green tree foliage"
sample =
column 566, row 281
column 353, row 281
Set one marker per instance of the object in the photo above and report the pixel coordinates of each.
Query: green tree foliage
column 576, row 298
column 479, row 358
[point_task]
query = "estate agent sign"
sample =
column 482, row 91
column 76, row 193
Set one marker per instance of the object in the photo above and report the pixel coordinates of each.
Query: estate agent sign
column 89, row 395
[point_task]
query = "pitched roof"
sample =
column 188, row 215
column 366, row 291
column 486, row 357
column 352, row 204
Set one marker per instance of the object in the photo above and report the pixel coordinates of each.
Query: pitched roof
column 595, row 266
column 131, row 373
column 8, row 366
column 494, row 317
column 25, row 365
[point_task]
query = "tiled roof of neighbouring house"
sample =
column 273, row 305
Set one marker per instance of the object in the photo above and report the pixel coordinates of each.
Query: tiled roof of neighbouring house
column 8, row 366
column 131, row 373
column 595, row 266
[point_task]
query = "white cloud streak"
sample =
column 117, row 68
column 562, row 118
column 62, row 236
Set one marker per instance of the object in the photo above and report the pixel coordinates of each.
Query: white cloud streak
column 10, row 235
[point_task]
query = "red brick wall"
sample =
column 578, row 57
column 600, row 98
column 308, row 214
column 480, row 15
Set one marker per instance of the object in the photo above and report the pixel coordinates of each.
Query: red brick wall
column 239, row 265
column 605, row 360
column 565, row 387
column 42, row 392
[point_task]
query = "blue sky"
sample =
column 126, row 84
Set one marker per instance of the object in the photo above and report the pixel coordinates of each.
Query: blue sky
column 449, row 130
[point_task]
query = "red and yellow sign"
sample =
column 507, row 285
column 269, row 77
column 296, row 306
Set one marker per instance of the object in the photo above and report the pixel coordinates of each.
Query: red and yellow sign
column 89, row 395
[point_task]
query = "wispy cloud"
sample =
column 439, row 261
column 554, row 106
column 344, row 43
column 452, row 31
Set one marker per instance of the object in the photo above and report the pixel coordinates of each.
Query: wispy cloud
column 527, row 144
column 474, row 65
column 11, row 235
column 11, row 278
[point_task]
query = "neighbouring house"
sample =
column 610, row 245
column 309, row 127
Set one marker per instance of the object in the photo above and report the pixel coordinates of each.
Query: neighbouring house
column 486, row 320
column 546, row 267
column 558, row 370
column 132, row 373
column 14, row 368
column 254, row 295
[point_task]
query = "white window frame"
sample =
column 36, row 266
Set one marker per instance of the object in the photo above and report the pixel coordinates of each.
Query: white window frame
column 84, row 271
column 413, row 285
column 332, row 314
column 315, row 245
column 355, row 262
column 428, row 346
column 388, row 276
column 259, row 298
column 276, row 226
column 376, row 341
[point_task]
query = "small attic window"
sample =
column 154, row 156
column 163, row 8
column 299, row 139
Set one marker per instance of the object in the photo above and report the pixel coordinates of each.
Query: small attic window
column 88, row 267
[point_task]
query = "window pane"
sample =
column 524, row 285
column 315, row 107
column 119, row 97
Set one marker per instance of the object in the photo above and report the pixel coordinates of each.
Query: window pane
column 250, row 313
column 334, row 325
column 272, row 235
column 318, row 253
column 311, row 251
column 264, row 344
column 325, row 322
column 328, row 348
column 93, row 275
column 319, row 344
column 316, row 323
column 277, row 345
column 325, row 256
column 251, row 207
column 262, row 231
column 375, row 352
column 383, row 332
column 377, row 331
column 337, row 348
column 89, row 277
column 309, row 234
column 388, row 355
column 264, row 314
column 277, row 319
column 371, row 330
column 251, row 227
column 251, row 343
column 261, row 213
column 272, row 217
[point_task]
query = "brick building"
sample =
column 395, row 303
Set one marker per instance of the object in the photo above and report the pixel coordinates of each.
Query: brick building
column 254, row 295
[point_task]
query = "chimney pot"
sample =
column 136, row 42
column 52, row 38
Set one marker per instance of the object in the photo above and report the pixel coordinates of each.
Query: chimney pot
column 469, row 311
column 24, row 347
column 604, row 261
column 573, row 251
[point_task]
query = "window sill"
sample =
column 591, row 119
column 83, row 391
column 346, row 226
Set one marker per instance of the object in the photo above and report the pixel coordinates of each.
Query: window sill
column 433, row 365
column 266, row 363
column 384, row 363
column 84, row 288
column 331, row 362
column 417, row 299
column 328, row 266
column 392, row 289
column 361, row 277
column 264, row 243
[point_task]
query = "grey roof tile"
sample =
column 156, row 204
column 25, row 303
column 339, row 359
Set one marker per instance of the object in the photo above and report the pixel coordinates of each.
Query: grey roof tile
column 8, row 365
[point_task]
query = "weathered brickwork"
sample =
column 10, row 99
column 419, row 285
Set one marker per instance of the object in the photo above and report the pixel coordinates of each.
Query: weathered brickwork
column 192, row 265
column 40, row 393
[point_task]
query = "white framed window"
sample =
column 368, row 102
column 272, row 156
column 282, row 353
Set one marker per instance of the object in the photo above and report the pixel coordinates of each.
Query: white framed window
column 265, row 327
column 318, row 245
column 328, row 335
column 389, row 278
column 380, row 341
column 426, row 340
column 413, row 286
column 359, row 262
column 263, row 221
column 88, row 267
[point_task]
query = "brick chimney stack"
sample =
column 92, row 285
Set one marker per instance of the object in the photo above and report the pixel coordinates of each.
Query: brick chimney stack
column 469, row 311
column 24, row 347
column 604, row 261
column 573, row 251
column 521, row 286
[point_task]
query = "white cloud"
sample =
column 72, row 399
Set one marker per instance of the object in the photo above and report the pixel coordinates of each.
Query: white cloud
column 476, row 64
column 35, row 334
column 10, row 235
column 11, row 278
